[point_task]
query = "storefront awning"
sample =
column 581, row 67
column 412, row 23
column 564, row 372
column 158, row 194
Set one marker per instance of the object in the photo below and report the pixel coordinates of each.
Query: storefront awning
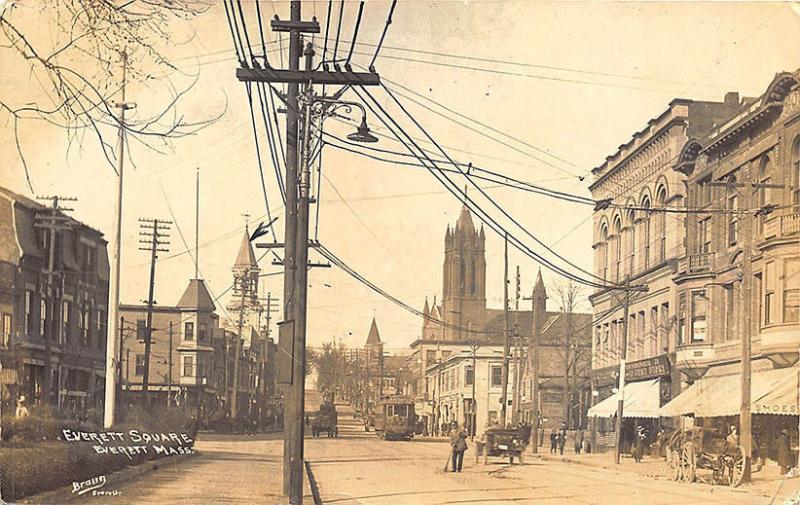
column 772, row 392
column 641, row 400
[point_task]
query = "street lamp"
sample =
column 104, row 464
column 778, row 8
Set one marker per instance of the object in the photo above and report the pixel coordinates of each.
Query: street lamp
column 326, row 106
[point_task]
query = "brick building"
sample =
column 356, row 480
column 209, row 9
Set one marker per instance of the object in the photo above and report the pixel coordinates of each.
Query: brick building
column 69, row 308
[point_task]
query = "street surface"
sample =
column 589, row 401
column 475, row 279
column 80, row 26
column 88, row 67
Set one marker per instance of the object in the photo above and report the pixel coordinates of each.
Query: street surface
column 359, row 469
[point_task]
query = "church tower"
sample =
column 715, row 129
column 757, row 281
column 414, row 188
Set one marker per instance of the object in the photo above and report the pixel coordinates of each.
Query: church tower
column 464, row 279
column 245, row 276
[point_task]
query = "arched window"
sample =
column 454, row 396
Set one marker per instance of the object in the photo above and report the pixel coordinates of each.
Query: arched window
column 732, row 204
column 603, row 252
column 462, row 278
column 472, row 276
column 796, row 175
column 763, row 196
column 661, row 224
column 630, row 223
column 617, row 252
column 646, row 233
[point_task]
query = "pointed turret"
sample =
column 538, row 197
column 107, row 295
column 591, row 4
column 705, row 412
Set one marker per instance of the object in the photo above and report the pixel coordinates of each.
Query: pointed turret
column 374, row 338
column 539, row 291
column 246, row 257
column 464, row 223
column 425, row 310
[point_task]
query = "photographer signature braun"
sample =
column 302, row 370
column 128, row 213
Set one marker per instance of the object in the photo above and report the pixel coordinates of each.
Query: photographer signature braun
column 93, row 485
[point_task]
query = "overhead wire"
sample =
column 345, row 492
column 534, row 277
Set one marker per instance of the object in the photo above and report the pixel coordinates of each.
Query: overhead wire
column 371, row 66
column 355, row 32
column 469, row 202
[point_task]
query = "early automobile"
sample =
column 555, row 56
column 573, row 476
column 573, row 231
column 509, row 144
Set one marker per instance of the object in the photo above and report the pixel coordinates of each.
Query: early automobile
column 395, row 418
column 325, row 420
column 504, row 443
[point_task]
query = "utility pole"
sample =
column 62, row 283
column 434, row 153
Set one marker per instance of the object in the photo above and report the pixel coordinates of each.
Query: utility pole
column 515, row 393
column 119, row 357
column 244, row 286
column 506, row 341
column 264, row 358
column 745, row 415
column 114, row 284
column 153, row 231
column 473, row 411
column 538, row 299
column 169, row 369
column 621, row 390
column 296, row 232
column 53, row 221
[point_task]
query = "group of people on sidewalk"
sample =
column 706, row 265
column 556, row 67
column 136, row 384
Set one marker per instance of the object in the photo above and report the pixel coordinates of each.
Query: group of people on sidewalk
column 558, row 440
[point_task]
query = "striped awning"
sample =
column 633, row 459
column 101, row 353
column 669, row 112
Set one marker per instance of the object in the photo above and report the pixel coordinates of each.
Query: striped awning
column 771, row 392
column 641, row 400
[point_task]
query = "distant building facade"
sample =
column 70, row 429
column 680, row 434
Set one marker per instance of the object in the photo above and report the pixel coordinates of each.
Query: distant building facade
column 452, row 329
column 70, row 312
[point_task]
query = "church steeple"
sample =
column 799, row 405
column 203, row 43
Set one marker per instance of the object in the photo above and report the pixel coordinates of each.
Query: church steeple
column 464, row 277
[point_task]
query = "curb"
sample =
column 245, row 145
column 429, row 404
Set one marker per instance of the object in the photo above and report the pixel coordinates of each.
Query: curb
column 64, row 494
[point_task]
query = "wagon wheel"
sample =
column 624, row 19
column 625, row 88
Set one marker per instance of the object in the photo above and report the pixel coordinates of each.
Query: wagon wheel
column 689, row 462
column 674, row 459
column 736, row 468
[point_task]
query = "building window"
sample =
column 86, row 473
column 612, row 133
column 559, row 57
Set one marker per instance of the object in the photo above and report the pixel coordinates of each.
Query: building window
column 769, row 292
column 83, row 326
column 28, row 313
column 6, row 336
column 646, row 234
column 101, row 328
column 430, row 356
column 66, row 320
column 445, row 354
column 661, row 225
column 141, row 330
column 763, row 195
column 469, row 376
column 202, row 330
column 733, row 218
column 188, row 331
column 704, row 236
column 665, row 325
column 497, row 376
column 43, row 318
column 631, row 224
column 699, row 323
column 791, row 291
column 188, row 366
column 617, row 230
column 682, row 319
column 730, row 312
column 604, row 249
column 139, row 364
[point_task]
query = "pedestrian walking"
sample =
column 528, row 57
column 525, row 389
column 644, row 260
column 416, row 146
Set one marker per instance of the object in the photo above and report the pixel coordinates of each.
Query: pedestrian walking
column 638, row 443
column 22, row 410
column 784, row 452
column 578, row 441
column 458, row 443
column 562, row 438
column 553, row 441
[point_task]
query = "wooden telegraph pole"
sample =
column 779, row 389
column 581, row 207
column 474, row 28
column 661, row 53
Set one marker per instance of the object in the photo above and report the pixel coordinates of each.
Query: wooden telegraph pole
column 506, row 343
column 296, row 232
column 153, row 231
column 53, row 221
column 621, row 389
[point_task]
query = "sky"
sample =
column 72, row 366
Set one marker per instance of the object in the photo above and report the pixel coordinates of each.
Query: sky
column 570, row 80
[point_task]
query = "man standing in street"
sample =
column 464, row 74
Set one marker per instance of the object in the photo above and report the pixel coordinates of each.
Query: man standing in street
column 562, row 438
column 458, row 443
column 553, row 441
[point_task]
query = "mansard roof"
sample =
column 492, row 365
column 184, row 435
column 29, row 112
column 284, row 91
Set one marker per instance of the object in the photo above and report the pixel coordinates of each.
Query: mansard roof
column 196, row 297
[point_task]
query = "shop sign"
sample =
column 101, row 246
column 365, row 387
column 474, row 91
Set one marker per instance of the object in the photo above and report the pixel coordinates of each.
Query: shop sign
column 649, row 368
column 786, row 409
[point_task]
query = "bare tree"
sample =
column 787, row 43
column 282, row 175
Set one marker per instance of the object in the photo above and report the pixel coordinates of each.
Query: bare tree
column 572, row 348
column 71, row 50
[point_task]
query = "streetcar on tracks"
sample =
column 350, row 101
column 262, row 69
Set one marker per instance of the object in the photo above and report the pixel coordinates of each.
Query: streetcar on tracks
column 395, row 418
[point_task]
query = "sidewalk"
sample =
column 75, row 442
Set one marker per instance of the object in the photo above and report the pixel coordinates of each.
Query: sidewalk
column 765, row 483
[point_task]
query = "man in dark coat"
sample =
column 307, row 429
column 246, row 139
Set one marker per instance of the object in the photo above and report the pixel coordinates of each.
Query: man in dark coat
column 553, row 441
column 562, row 438
column 458, row 443
column 784, row 452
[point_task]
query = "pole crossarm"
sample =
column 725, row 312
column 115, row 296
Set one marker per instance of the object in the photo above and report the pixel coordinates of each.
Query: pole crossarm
column 305, row 76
